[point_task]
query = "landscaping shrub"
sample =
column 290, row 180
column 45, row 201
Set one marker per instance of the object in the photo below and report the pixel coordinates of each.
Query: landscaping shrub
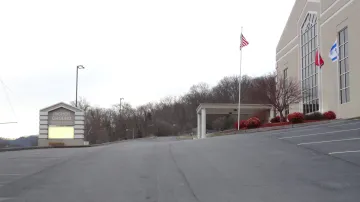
column 275, row 124
column 284, row 119
column 296, row 117
column 314, row 116
column 253, row 122
column 242, row 125
column 276, row 119
column 330, row 115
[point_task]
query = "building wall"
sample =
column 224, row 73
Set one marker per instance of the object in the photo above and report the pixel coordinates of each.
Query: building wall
column 336, row 14
column 288, row 55
column 325, row 5
column 290, row 29
column 343, row 13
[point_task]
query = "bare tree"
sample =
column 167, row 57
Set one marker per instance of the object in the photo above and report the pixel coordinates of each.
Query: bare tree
column 227, row 90
column 83, row 104
column 278, row 91
column 176, row 115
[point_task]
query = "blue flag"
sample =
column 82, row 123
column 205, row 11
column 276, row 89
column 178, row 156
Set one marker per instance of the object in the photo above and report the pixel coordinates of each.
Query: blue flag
column 334, row 52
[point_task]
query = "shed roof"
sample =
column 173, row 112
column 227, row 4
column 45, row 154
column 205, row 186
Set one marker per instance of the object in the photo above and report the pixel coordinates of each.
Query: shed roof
column 61, row 105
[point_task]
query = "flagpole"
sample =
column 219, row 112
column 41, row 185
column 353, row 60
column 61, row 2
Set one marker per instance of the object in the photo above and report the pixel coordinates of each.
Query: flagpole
column 320, row 84
column 240, row 81
column 321, row 71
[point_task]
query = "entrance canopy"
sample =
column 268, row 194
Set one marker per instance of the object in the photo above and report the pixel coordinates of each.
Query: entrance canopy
column 246, row 110
column 228, row 108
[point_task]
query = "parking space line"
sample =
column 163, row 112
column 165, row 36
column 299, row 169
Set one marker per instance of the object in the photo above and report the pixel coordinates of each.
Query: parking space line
column 4, row 199
column 344, row 152
column 330, row 132
column 342, row 124
column 306, row 128
column 328, row 141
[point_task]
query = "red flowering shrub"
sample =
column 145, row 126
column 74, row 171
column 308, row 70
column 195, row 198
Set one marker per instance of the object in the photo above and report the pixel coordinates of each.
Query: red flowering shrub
column 253, row 122
column 284, row 119
column 275, row 119
column 296, row 117
column 242, row 124
column 330, row 115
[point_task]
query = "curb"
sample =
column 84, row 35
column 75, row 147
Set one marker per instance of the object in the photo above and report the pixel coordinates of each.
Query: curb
column 60, row 147
column 288, row 126
column 32, row 148
column 281, row 127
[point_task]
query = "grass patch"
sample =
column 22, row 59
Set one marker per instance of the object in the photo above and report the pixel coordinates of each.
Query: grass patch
column 354, row 118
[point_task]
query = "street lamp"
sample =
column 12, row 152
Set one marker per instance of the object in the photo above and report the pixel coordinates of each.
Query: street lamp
column 120, row 103
column 8, row 122
column 77, row 69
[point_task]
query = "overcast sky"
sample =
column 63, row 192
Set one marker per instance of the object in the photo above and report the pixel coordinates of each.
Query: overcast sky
column 141, row 50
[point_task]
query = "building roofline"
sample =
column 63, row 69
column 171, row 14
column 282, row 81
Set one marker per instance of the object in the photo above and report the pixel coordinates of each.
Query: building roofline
column 59, row 105
column 231, row 106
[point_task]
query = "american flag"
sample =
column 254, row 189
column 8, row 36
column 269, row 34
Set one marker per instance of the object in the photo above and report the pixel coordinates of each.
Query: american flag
column 243, row 42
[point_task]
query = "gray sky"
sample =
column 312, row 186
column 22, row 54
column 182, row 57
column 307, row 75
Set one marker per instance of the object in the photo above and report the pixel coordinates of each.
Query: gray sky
column 141, row 50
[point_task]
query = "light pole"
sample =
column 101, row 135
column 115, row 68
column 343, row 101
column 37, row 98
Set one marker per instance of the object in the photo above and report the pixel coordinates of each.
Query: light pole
column 77, row 69
column 8, row 122
column 174, row 128
column 120, row 104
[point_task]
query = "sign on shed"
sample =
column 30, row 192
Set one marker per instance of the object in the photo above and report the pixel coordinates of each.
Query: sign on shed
column 61, row 124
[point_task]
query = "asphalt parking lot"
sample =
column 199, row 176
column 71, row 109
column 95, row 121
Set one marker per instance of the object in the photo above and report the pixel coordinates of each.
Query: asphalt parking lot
column 318, row 163
column 17, row 165
column 338, row 139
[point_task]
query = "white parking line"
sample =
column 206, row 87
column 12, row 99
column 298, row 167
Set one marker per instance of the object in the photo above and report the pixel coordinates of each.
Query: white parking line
column 345, row 124
column 4, row 199
column 316, row 126
column 331, row 132
column 319, row 142
column 344, row 152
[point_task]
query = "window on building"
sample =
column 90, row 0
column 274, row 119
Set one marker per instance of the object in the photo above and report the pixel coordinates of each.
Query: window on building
column 309, row 72
column 344, row 70
column 285, row 75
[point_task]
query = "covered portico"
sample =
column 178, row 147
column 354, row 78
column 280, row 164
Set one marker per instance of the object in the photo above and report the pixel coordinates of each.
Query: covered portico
column 246, row 111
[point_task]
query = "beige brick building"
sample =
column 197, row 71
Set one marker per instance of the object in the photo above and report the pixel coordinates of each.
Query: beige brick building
column 322, row 22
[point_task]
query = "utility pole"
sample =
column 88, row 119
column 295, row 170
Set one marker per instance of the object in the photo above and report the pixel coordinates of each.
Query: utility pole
column 120, row 104
column 77, row 70
column 8, row 122
column 119, row 128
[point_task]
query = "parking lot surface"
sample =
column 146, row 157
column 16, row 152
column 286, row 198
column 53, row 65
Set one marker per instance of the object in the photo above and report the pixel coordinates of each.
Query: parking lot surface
column 318, row 163
column 339, row 139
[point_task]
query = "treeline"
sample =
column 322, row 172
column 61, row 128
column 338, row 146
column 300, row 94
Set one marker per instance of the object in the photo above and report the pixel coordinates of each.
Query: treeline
column 171, row 115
